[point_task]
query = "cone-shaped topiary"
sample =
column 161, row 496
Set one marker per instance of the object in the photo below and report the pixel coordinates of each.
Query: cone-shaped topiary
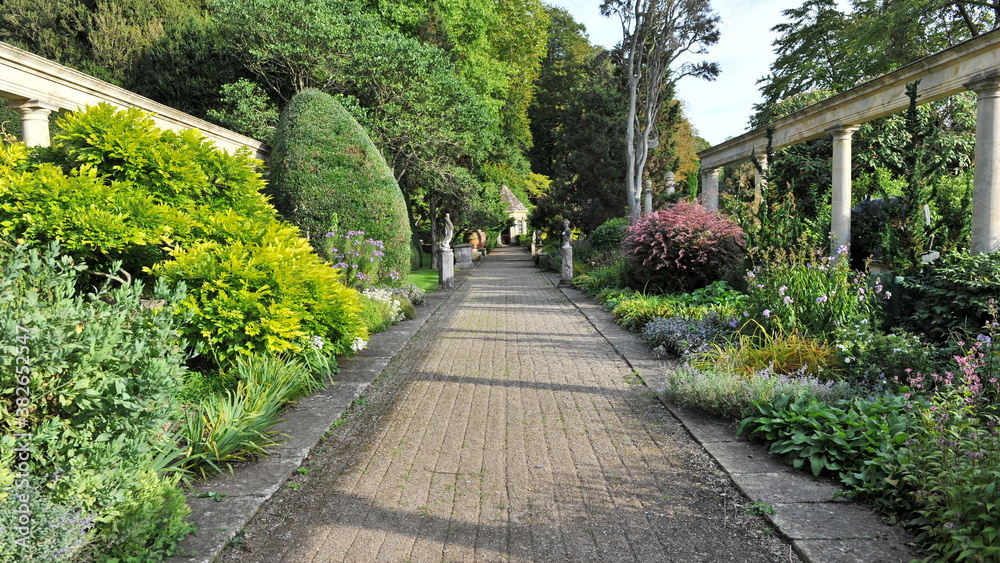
column 325, row 169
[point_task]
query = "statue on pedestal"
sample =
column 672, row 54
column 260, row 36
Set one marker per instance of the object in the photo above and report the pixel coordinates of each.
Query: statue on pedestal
column 449, row 231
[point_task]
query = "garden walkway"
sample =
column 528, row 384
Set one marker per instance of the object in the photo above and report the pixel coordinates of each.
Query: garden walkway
column 513, row 421
column 509, row 430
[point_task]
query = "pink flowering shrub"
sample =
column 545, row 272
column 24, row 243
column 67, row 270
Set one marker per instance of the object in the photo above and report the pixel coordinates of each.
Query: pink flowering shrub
column 682, row 248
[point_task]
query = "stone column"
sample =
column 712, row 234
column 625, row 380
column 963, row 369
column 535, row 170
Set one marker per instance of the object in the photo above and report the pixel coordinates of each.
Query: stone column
column 647, row 197
column 34, row 121
column 758, row 178
column 840, row 220
column 986, row 178
column 710, row 188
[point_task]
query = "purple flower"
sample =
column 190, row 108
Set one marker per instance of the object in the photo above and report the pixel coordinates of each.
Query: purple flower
column 767, row 313
column 782, row 290
column 821, row 299
column 788, row 299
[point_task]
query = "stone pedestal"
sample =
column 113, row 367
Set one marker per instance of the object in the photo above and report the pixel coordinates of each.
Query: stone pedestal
column 567, row 266
column 446, row 274
column 463, row 256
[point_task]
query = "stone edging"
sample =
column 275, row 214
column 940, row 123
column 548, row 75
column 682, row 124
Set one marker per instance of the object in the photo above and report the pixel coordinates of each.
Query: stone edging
column 304, row 424
column 821, row 529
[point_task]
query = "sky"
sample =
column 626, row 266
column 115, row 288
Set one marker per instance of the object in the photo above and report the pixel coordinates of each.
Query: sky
column 718, row 110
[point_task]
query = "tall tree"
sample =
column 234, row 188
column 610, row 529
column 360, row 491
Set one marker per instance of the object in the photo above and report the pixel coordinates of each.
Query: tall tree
column 576, row 121
column 655, row 34
column 810, row 52
column 289, row 45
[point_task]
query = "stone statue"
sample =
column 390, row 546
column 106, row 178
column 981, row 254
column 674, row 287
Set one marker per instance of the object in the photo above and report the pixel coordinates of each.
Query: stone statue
column 449, row 231
column 567, row 256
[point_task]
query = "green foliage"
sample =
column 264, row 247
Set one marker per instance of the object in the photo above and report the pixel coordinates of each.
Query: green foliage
column 954, row 295
column 382, row 308
column 576, row 121
column 813, row 295
column 600, row 278
column 373, row 315
column 114, row 186
column 101, row 372
column 357, row 256
column 236, row 425
column 263, row 291
column 734, row 396
column 247, row 110
column 429, row 122
column 792, row 211
column 179, row 169
column 835, row 437
column 783, row 354
column 637, row 309
column 289, row 46
column 324, row 166
column 186, row 67
column 871, row 358
column 609, row 235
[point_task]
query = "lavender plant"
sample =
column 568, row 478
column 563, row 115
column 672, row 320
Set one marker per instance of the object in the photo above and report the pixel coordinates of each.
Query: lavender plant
column 685, row 335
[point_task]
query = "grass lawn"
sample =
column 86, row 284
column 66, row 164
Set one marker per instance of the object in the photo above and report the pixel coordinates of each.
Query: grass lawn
column 425, row 278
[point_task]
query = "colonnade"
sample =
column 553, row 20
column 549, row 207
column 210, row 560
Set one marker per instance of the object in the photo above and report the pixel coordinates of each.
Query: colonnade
column 973, row 65
column 35, row 87
column 986, row 179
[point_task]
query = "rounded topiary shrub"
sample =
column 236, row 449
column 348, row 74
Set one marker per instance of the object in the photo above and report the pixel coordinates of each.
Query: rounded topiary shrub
column 327, row 173
column 609, row 235
column 682, row 248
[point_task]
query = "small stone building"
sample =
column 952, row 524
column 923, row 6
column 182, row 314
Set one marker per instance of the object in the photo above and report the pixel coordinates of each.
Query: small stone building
column 517, row 211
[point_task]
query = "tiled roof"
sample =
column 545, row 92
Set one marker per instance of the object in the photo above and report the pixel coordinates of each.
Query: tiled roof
column 514, row 205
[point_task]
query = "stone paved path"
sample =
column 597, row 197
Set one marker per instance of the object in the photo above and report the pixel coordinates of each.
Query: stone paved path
column 511, row 431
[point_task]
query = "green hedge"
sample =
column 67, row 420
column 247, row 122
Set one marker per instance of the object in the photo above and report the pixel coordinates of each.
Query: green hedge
column 326, row 173
column 115, row 187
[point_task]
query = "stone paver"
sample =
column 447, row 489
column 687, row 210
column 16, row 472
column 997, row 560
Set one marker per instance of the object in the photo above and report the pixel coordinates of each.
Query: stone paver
column 518, row 433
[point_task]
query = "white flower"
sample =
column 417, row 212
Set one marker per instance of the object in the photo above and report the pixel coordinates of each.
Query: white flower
column 317, row 342
column 358, row 344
